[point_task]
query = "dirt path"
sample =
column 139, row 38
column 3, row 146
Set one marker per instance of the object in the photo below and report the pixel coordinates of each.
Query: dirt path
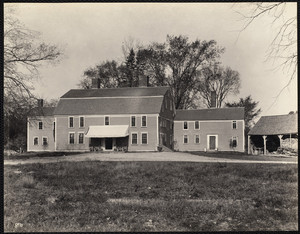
column 154, row 156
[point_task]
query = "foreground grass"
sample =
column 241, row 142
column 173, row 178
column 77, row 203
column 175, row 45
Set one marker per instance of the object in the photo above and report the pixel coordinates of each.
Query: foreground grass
column 150, row 196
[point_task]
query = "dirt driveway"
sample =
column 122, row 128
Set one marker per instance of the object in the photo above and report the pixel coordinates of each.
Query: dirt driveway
column 153, row 156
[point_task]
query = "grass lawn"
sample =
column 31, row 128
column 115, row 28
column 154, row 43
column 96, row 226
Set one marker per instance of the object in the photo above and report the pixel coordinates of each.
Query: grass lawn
column 150, row 196
column 28, row 155
column 244, row 156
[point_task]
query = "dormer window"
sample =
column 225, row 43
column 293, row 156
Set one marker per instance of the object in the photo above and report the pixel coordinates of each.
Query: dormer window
column 106, row 120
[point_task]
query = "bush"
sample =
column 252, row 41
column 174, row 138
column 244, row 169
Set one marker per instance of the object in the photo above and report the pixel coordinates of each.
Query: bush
column 26, row 181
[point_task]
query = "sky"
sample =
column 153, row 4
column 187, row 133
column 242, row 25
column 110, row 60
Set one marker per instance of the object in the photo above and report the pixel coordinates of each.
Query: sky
column 91, row 33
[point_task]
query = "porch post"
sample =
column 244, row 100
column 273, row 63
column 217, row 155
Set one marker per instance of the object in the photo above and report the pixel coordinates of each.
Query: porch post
column 265, row 145
column 290, row 140
column 280, row 139
column 249, row 142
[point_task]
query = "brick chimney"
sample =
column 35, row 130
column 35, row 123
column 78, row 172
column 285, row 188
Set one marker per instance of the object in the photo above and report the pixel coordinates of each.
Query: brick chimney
column 143, row 81
column 213, row 99
column 40, row 103
column 96, row 83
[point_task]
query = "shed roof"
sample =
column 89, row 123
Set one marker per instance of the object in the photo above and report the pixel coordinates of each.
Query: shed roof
column 276, row 125
column 230, row 113
column 117, row 92
column 42, row 111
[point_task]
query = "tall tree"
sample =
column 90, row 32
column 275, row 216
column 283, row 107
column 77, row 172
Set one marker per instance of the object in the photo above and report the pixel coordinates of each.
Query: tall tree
column 176, row 63
column 24, row 53
column 223, row 81
column 251, row 110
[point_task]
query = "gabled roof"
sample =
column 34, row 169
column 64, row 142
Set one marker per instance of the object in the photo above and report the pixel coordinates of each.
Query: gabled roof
column 230, row 113
column 117, row 92
column 109, row 106
column 42, row 111
column 276, row 125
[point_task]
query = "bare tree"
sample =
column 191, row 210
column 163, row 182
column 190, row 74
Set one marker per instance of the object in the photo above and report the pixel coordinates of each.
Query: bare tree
column 283, row 47
column 24, row 53
column 223, row 81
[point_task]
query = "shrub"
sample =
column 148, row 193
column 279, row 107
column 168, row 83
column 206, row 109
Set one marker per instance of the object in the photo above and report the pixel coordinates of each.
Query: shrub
column 26, row 181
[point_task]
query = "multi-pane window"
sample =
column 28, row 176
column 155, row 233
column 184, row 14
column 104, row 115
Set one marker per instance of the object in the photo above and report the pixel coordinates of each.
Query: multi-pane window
column 196, row 124
column 45, row 141
column 35, row 141
column 197, row 139
column 71, row 138
column 71, row 122
column 144, row 121
column 133, row 119
column 185, row 139
column 144, row 138
column 234, row 124
column 106, row 120
column 81, row 122
column 40, row 125
column 134, row 138
column 234, row 141
column 80, row 138
column 185, row 125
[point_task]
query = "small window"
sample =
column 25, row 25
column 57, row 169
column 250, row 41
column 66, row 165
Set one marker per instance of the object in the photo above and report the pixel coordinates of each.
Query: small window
column 185, row 139
column 133, row 119
column 144, row 138
column 40, row 125
column 45, row 141
column 234, row 126
column 35, row 141
column 185, row 125
column 106, row 120
column 71, row 138
column 134, row 138
column 80, row 138
column 234, row 142
column 144, row 121
column 196, row 124
column 197, row 139
column 81, row 122
column 71, row 122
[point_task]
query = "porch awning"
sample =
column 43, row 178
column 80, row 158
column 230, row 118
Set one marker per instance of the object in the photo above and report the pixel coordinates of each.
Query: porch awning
column 107, row 131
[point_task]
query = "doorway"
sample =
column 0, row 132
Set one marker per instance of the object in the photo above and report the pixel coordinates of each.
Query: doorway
column 212, row 142
column 108, row 143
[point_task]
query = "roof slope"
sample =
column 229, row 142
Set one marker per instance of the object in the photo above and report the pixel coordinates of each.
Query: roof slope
column 42, row 111
column 117, row 92
column 230, row 113
column 107, row 106
column 275, row 125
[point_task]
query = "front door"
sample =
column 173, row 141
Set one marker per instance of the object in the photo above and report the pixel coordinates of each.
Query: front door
column 212, row 142
column 108, row 143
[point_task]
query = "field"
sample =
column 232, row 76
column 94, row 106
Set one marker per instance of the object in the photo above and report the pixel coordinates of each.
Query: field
column 150, row 196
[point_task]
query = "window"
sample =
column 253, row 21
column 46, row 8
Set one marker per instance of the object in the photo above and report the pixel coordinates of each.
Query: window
column 144, row 138
column 71, row 138
column 144, row 121
column 234, row 126
column 80, row 138
column 71, row 122
column 234, row 142
column 35, row 141
column 197, row 139
column 196, row 124
column 185, row 139
column 40, row 125
column 106, row 120
column 134, row 138
column 133, row 119
column 81, row 122
column 45, row 141
column 185, row 125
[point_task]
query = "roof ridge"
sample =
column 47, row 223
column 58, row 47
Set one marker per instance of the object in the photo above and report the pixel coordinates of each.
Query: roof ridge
column 125, row 88
column 222, row 108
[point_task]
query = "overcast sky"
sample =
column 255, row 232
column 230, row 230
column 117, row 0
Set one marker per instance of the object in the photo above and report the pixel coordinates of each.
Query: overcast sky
column 93, row 32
